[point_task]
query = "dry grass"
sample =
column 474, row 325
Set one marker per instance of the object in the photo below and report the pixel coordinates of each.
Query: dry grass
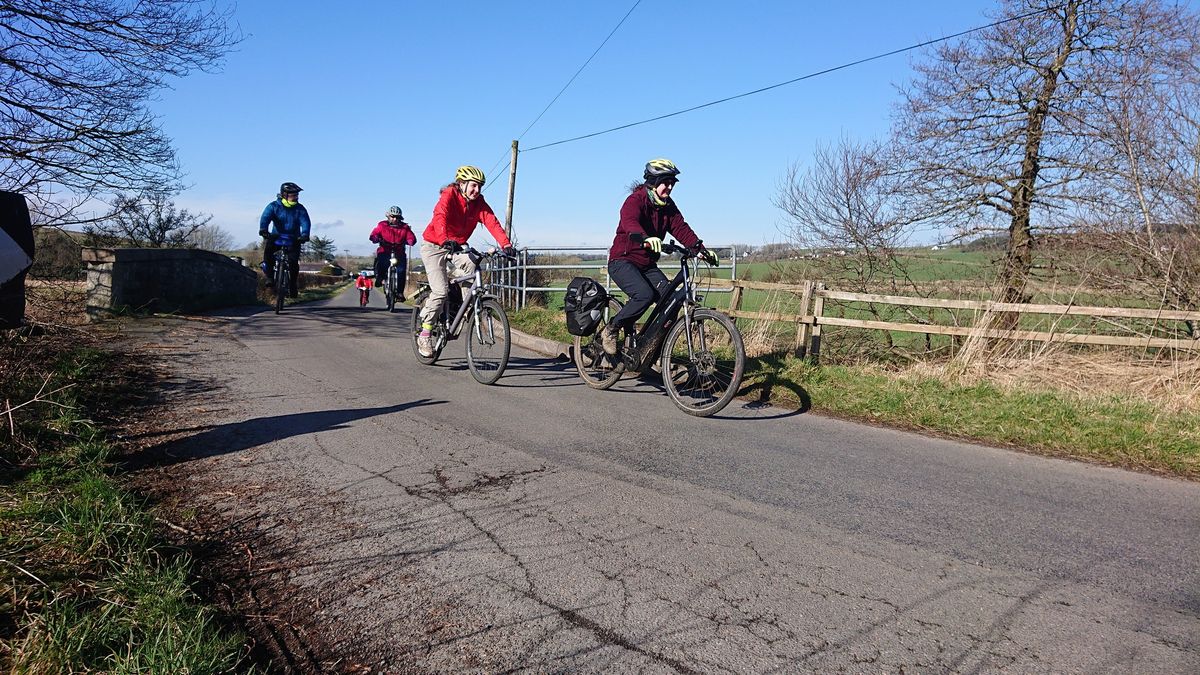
column 762, row 338
column 55, row 303
column 1170, row 382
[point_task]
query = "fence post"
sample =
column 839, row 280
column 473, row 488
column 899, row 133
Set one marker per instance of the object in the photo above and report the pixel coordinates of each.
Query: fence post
column 814, row 353
column 735, row 299
column 523, row 273
column 803, row 327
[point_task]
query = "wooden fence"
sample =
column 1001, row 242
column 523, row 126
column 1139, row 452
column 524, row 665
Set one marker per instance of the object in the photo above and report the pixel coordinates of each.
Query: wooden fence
column 813, row 295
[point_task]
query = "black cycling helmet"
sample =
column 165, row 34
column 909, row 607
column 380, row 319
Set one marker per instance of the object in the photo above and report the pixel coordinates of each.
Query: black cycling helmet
column 289, row 187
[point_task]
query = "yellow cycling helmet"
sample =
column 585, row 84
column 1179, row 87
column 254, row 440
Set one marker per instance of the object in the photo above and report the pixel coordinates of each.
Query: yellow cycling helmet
column 658, row 170
column 469, row 173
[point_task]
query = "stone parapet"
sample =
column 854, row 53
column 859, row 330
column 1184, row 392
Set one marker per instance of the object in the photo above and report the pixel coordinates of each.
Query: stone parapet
column 164, row 280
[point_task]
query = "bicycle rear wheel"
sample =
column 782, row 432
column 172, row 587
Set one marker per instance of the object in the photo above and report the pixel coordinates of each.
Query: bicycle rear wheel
column 415, row 328
column 489, row 343
column 598, row 370
column 703, row 377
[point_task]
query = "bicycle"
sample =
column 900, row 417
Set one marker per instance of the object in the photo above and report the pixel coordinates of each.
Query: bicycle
column 393, row 288
column 283, row 274
column 489, row 334
column 364, row 296
column 702, row 358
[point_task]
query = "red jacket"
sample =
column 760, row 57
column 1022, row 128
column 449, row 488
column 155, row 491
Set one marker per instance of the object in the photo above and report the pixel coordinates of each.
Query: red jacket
column 641, row 219
column 455, row 218
column 392, row 237
column 362, row 283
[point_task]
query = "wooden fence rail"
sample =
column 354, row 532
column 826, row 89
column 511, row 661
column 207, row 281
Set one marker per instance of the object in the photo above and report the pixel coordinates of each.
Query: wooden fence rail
column 812, row 297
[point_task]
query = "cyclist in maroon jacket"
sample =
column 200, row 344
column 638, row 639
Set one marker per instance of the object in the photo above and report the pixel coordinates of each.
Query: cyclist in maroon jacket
column 648, row 215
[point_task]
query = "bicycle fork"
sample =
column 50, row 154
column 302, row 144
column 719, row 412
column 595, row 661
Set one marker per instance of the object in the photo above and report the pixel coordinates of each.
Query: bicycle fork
column 485, row 327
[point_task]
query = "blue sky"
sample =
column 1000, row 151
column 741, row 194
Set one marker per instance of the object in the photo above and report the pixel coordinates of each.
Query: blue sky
column 369, row 104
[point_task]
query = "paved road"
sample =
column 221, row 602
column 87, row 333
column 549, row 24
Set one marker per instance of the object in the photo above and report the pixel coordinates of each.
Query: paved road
column 436, row 524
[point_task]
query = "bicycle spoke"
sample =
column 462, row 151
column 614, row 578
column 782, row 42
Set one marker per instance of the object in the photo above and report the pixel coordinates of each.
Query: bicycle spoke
column 598, row 370
column 703, row 362
column 488, row 344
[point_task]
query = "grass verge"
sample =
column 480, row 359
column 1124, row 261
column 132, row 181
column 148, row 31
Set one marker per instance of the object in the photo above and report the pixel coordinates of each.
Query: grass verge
column 307, row 293
column 1116, row 429
column 86, row 583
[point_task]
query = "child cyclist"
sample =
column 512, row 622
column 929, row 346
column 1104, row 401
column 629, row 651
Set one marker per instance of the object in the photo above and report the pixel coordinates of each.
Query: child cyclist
column 392, row 235
column 647, row 216
column 363, row 284
column 459, row 209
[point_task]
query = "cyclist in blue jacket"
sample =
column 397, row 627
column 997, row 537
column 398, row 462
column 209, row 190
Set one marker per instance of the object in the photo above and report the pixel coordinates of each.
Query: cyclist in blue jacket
column 286, row 216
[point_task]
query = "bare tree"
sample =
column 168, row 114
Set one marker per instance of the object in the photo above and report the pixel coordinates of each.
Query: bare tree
column 75, row 77
column 147, row 221
column 211, row 238
column 845, row 204
column 1150, row 127
column 1002, row 127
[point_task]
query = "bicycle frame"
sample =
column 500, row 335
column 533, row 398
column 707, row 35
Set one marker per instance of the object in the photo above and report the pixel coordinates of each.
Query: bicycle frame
column 471, row 300
column 679, row 293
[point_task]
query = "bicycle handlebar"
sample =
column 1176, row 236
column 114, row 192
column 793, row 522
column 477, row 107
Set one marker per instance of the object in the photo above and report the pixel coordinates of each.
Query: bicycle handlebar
column 668, row 247
column 476, row 255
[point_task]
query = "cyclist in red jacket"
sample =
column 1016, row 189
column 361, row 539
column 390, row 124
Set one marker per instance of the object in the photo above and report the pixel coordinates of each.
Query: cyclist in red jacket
column 459, row 209
column 392, row 235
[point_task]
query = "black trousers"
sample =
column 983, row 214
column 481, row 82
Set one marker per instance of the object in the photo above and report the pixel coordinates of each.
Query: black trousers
column 382, row 261
column 644, row 288
column 293, row 255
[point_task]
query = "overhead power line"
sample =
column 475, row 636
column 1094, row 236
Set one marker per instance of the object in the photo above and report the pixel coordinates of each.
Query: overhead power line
column 570, row 81
column 577, row 72
column 797, row 79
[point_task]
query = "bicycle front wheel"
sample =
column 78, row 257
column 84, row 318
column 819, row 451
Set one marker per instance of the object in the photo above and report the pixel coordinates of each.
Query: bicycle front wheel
column 281, row 284
column 390, row 290
column 703, row 363
column 489, row 343
column 598, row 370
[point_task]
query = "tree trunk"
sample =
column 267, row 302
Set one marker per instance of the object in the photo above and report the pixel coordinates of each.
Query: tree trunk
column 1018, row 259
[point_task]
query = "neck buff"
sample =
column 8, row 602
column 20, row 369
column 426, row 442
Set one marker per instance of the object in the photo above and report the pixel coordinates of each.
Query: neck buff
column 654, row 198
column 287, row 202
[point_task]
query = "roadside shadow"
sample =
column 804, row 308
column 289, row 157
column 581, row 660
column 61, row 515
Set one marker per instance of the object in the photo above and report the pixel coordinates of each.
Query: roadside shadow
column 775, row 394
column 237, row 436
column 299, row 321
column 758, row 401
column 549, row 371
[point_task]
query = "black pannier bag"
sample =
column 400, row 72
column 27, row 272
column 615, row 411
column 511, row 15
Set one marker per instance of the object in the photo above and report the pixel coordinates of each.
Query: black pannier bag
column 584, row 305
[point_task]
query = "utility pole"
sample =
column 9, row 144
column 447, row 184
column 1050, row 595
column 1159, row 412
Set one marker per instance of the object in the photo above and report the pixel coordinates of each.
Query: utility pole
column 512, row 187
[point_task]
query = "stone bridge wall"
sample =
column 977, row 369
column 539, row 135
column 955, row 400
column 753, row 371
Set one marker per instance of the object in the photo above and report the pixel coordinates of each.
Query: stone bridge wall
column 164, row 280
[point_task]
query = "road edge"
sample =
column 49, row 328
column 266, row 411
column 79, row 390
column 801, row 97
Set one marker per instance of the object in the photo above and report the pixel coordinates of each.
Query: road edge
column 541, row 345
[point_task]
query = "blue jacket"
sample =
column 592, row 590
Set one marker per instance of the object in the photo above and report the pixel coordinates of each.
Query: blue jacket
column 293, row 221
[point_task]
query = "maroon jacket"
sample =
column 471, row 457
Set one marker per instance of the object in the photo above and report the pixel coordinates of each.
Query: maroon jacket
column 639, row 220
